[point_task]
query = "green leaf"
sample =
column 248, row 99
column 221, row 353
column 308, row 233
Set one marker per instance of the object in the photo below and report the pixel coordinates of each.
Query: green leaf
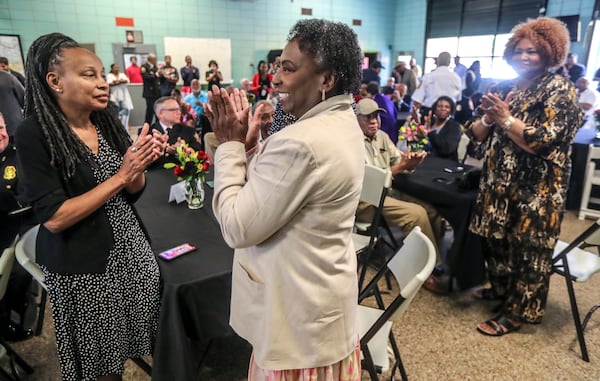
column 169, row 165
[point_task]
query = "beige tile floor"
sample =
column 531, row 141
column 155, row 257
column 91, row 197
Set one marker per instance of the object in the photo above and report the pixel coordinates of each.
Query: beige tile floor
column 438, row 340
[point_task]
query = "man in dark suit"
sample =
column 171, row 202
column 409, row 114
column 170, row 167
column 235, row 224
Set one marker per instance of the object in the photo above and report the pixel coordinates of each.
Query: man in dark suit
column 168, row 113
column 151, row 86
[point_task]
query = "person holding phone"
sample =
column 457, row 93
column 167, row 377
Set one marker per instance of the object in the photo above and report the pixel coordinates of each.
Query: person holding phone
column 528, row 127
column 81, row 173
column 261, row 81
column 213, row 76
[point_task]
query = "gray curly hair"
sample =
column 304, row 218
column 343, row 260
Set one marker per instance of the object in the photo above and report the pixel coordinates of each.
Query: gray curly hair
column 334, row 47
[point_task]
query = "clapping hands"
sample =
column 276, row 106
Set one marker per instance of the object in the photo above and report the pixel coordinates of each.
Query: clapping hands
column 229, row 117
column 145, row 150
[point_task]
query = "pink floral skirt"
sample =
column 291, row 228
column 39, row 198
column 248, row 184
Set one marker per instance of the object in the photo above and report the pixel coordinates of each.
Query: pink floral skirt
column 347, row 369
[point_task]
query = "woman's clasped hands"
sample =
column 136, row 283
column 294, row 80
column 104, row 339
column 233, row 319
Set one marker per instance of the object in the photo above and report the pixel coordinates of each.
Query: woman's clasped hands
column 143, row 152
column 496, row 109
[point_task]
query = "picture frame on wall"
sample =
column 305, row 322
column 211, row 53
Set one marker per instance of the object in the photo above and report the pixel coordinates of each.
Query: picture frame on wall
column 10, row 47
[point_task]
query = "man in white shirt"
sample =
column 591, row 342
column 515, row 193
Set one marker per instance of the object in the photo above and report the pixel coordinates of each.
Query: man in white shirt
column 589, row 99
column 441, row 81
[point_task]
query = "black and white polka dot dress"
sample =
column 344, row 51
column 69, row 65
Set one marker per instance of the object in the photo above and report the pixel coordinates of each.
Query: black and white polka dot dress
column 101, row 320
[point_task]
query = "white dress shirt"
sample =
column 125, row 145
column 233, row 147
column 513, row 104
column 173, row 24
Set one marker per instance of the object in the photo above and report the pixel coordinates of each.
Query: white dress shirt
column 592, row 97
column 441, row 81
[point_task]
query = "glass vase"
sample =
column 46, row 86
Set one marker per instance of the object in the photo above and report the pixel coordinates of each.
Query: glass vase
column 194, row 191
column 402, row 145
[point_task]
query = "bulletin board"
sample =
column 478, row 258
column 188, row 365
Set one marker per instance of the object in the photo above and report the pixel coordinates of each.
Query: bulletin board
column 10, row 47
column 201, row 50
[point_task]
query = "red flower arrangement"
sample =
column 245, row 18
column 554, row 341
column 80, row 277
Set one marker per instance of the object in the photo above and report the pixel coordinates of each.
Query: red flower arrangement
column 415, row 136
column 192, row 164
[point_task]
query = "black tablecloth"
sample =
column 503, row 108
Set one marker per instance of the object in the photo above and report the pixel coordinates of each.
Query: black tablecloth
column 196, row 286
column 430, row 182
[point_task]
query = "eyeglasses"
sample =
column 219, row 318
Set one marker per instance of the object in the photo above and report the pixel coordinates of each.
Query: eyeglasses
column 171, row 109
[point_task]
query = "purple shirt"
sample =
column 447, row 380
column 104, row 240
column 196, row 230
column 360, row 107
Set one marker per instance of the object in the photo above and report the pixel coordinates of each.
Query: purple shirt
column 389, row 118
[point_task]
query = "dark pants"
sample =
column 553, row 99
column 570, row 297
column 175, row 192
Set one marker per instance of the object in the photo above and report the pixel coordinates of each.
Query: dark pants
column 149, row 118
column 521, row 273
column 203, row 127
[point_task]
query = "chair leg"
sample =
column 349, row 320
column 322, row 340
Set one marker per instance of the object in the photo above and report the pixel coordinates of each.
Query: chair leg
column 577, row 320
column 363, row 269
column 41, row 313
column 143, row 365
column 368, row 363
column 398, row 359
column 589, row 315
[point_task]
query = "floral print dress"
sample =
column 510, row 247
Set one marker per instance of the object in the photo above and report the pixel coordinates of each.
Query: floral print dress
column 521, row 193
column 521, row 197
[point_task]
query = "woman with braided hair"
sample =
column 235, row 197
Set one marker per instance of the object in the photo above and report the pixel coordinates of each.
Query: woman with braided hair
column 81, row 174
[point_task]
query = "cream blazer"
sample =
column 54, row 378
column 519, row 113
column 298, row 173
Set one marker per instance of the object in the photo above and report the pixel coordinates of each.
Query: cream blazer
column 289, row 214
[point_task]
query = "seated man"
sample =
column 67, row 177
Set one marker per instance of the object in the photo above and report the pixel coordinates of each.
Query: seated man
column 168, row 113
column 389, row 120
column 197, row 98
column 381, row 152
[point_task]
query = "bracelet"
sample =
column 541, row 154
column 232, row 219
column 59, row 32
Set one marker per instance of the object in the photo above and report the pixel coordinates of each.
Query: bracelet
column 485, row 124
column 506, row 126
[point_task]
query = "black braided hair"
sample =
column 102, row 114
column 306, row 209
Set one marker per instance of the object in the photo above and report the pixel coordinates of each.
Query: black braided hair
column 334, row 47
column 66, row 149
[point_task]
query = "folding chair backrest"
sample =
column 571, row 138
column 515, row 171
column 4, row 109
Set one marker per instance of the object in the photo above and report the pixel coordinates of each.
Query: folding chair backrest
column 6, row 263
column 462, row 147
column 25, row 254
column 590, row 179
column 411, row 266
column 375, row 180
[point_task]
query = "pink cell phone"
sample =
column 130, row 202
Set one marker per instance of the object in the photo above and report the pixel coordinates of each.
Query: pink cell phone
column 175, row 252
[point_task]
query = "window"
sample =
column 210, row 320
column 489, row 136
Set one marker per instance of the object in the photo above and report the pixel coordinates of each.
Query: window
column 476, row 30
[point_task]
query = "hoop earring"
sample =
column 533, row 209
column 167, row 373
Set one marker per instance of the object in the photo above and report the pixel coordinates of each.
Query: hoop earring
column 322, row 94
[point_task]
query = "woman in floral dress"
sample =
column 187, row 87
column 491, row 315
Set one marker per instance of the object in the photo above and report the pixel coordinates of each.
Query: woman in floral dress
column 528, row 125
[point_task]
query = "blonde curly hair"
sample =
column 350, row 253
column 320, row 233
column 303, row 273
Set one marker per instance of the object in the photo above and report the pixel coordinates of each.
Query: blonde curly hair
column 549, row 35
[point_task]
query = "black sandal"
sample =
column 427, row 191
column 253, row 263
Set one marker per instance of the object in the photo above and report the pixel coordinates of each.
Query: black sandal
column 487, row 294
column 501, row 326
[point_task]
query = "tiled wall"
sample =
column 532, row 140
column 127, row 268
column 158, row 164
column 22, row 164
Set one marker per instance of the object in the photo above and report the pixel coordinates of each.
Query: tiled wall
column 254, row 26
column 409, row 28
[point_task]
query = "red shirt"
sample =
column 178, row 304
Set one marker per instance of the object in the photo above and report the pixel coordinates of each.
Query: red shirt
column 134, row 74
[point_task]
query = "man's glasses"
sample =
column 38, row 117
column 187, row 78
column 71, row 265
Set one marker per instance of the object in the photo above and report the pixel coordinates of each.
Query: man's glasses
column 172, row 109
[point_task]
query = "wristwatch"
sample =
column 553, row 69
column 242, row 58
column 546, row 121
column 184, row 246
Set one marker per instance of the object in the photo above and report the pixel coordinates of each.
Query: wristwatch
column 508, row 123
